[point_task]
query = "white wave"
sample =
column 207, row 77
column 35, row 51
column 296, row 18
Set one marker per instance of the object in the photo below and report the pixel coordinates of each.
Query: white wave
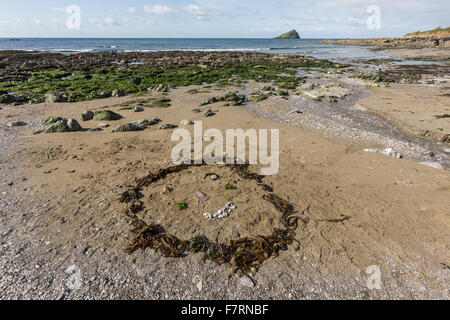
column 69, row 50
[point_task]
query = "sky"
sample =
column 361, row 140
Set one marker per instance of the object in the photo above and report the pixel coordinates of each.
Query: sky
column 219, row 18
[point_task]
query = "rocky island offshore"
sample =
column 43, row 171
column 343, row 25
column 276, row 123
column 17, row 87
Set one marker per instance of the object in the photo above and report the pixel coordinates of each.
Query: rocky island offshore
column 293, row 34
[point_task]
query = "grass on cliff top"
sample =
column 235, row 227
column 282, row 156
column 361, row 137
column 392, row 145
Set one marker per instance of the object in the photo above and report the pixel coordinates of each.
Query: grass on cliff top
column 89, row 85
column 429, row 32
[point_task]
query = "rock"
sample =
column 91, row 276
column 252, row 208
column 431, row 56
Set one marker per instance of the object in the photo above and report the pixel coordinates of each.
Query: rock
column 87, row 115
column 309, row 95
column 238, row 99
column 103, row 125
column 209, row 101
column 105, row 94
column 7, row 98
column 106, row 115
column 127, row 127
column 136, row 126
column 387, row 152
column 446, row 138
column 73, row 125
column 247, row 282
column 162, row 88
column 168, row 126
column 392, row 153
column 202, row 196
column 268, row 88
column 186, row 122
column 283, row 93
column 209, row 113
column 53, row 98
column 435, row 165
column 16, row 124
column 200, row 285
column 117, row 93
column 308, row 86
column 293, row 34
column 214, row 177
column 137, row 109
column 58, row 124
column 166, row 190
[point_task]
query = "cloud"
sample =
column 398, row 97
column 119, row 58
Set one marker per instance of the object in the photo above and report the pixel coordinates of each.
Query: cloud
column 113, row 22
column 196, row 11
column 38, row 22
column 158, row 9
column 59, row 9
column 4, row 24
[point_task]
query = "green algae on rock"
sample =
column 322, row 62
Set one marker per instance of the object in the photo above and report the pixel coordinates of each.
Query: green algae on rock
column 107, row 115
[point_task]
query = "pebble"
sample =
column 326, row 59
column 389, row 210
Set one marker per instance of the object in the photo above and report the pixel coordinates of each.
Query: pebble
column 247, row 282
column 186, row 122
column 214, row 177
column 200, row 285
column 202, row 196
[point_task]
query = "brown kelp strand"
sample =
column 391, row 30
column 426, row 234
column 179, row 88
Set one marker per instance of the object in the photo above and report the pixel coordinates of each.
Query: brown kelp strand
column 245, row 255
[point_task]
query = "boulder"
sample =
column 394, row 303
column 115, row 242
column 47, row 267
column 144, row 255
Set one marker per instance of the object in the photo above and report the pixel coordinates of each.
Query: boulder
column 117, row 93
column 87, row 115
column 136, row 126
column 53, row 98
column 58, row 124
column 168, row 126
column 106, row 115
column 16, row 124
column 186, row 122
column 7, row 98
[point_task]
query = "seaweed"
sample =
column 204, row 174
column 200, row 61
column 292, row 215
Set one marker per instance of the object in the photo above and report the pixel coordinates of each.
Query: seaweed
column 245, row 255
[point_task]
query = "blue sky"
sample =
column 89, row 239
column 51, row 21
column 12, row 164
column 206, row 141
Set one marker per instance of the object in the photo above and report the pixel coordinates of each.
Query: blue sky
column 219, row 18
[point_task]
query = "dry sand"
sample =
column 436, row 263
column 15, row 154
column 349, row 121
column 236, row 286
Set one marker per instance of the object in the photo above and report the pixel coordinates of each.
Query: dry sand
column 69, row 214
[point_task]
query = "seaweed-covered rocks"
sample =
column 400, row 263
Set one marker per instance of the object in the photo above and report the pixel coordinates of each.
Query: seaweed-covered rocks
column 117, row 93
column 7, row 98
column 234, row 97
column 209, row 113
column 106, row 115
column 136, row 126
column 58, row 124
column 168, row 126
column 137, row 109
column 53, row 98
column 87, row 115
column 16, row 124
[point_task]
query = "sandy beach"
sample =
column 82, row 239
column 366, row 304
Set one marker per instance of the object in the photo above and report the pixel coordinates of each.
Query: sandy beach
column 61, row 209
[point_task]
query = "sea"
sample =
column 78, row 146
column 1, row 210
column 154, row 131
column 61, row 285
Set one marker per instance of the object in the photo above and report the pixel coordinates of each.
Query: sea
column 305, row 47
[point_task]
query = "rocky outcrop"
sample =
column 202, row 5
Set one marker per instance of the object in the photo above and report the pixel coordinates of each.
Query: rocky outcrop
column 293, row 34
column 18, row 65
column 397, row 43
